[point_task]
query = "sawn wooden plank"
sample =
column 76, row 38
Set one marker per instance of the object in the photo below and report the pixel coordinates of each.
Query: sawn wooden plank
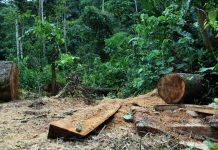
column 197, row 131
column 82, row 122
column 197, row 108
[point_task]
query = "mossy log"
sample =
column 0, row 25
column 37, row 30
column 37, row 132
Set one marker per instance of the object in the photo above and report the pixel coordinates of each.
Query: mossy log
column 8, row 80
column 180, row 87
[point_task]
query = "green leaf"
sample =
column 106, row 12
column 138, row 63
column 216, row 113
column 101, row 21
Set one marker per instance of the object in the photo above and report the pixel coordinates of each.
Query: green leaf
column 212, row 15
column 140, row 70
column 179, row 66
column 216, row 67
column 202, row 70
column 160, row 62
column 171, row 59
column 167, row 70
column 211, row 145
column 216, row 100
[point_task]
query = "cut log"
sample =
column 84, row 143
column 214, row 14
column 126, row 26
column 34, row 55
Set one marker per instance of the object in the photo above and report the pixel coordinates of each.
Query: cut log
column 8, row 80
column 83, row 122
column 180, row 87
column 197, row 131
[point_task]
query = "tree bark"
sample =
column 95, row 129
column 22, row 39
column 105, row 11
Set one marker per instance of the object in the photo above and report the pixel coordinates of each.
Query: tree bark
column 180, row 88
column 201, row 17
column 17, row 40
column 53, row 78
column 53, row 70
column 8, row 80
column 65, row 32
column 102, row 5
column 41, row 16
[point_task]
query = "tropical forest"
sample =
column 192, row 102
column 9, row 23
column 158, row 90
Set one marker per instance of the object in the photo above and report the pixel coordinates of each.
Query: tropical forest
column 108, row 74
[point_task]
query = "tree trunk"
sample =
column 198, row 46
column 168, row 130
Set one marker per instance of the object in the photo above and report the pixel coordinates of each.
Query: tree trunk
column 17, row 40
column 136, row 6
column 102, row 5
column 53, row 70
column 41, row 16
column 8, row 80
column 180, row 87
column 65, row 32
column 201, row 17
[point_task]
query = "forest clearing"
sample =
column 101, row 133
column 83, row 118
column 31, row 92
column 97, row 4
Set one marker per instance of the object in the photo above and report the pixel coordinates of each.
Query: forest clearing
column 108, row 74
column 25, row 125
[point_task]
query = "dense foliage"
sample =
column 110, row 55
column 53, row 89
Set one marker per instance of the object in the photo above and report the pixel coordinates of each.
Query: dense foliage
column 123, row 44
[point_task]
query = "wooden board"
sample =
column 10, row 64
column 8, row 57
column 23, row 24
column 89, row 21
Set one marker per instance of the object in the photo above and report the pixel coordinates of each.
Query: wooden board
column 87, row 120
column 198, row 108
column 168, row 107
column 202, row 109
column 197, row 131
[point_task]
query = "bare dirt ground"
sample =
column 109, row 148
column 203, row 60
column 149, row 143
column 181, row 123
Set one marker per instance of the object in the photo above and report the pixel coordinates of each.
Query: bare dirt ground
column 24, row 124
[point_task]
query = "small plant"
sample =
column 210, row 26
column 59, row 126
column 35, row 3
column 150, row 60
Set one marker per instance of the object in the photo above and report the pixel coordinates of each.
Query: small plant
column 211, row 145
column 214, row 103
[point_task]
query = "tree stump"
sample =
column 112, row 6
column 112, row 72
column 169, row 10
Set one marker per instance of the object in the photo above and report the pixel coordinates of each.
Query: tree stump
column 8, row 80
column 180, row 88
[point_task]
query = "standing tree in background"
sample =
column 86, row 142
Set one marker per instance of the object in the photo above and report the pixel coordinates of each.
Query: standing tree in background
column 53, row 35
column 17, row 40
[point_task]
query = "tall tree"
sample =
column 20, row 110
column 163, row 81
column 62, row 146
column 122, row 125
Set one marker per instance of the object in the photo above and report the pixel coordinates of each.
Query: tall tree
column 17, row 40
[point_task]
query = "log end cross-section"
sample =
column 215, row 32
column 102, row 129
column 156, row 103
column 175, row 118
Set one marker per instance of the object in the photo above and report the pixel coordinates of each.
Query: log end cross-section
column 8, row 80
column 171, row 88
column 180, row 87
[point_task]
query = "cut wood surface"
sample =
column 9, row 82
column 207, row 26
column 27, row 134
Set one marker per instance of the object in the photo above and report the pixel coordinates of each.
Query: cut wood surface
column 83, row 122
column 212, row 121
column 144, row 122
column 168, row 107
column 198, row 108
column 197, row 131
column 180, row 87
column 202, row 109
column 8, row 80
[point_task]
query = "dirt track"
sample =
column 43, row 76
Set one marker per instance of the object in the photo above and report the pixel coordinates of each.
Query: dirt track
column 24, row 125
